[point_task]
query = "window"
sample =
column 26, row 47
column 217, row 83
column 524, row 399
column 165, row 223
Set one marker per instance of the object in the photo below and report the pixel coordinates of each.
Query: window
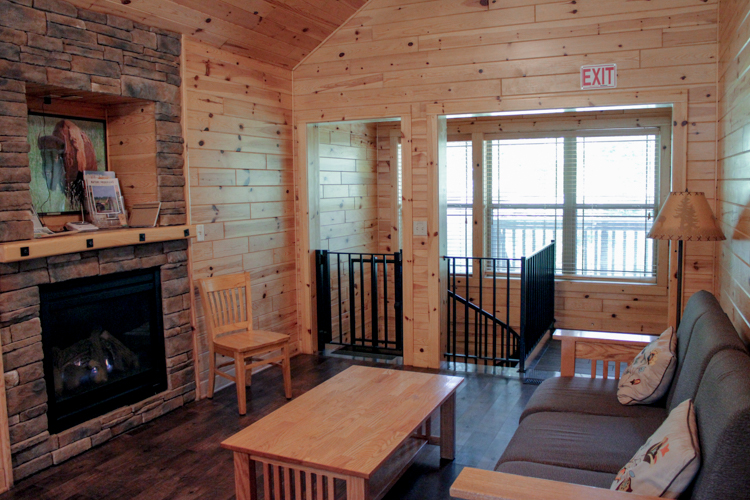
column 595, row 192
column 460, row 195
column 399, row 194
column 397, row 186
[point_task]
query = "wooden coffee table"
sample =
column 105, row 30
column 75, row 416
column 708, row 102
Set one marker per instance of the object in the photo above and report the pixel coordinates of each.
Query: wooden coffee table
column 351, row 437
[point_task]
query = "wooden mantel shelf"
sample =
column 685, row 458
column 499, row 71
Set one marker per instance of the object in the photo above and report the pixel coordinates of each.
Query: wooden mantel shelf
column 95, row 240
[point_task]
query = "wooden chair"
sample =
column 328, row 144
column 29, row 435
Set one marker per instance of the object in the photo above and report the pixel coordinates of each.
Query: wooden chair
column 227, row 304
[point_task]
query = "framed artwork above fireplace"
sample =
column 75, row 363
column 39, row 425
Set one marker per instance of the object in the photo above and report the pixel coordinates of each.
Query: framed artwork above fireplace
column 62, row 148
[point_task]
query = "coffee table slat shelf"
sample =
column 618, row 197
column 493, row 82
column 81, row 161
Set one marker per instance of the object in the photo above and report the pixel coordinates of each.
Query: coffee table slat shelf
column 394, row 468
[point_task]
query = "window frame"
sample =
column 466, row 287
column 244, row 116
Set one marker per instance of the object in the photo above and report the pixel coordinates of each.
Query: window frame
column 482, row 206
column 396, row 187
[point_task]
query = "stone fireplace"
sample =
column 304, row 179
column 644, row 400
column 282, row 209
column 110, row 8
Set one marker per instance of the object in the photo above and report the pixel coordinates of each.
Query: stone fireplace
column 88, row 60
column 34, row 445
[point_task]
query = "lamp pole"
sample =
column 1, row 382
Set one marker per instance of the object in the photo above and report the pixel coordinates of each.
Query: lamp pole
column 679, row 282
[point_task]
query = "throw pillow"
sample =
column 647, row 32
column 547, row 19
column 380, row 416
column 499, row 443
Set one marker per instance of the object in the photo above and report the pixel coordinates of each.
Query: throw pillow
column 668, row 462
column 647, row 379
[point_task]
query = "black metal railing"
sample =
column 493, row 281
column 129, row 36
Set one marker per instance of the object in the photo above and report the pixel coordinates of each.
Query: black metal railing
column 485, row 336
column 537, row 297
column 369, row 327
column 488, row 335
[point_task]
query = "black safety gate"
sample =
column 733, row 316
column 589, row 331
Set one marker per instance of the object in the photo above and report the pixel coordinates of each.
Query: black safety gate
column 347, row 316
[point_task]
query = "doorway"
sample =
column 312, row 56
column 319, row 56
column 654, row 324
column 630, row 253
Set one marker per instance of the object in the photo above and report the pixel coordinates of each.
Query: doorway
column 355, row 227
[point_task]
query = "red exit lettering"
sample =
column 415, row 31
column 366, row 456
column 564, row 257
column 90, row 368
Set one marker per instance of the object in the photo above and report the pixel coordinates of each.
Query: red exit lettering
column 600, row 76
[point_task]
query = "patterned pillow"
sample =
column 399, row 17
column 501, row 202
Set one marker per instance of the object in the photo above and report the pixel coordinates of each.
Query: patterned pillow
column 648, row 378
column 668, row 462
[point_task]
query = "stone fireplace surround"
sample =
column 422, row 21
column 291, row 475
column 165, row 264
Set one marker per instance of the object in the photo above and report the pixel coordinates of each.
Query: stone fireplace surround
column 53, row 43
column 32, row 446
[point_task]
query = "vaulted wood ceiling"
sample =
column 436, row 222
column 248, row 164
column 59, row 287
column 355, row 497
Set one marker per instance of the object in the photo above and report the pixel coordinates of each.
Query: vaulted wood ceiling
column 279, row 32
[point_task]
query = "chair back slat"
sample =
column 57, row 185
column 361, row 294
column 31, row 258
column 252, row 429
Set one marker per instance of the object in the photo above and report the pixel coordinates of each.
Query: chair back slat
column 226, row 303
column 224, row 312
column 217, row 316
column 235, row 313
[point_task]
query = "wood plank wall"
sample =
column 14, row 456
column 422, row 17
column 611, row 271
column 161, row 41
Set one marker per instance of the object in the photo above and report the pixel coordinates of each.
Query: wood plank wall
column 459, row 56
column 348, row 213
column 389, row 134
column 348, row 187
column 733, row 169
column 388, row 238
column 131, row 135
column 241, row 181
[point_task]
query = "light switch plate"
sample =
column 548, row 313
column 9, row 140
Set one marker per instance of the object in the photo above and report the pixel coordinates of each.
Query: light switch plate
column 420, row 228
column 200, row 232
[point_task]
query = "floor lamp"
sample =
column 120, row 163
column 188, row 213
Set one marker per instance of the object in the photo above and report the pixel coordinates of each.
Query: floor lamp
column 685, row 216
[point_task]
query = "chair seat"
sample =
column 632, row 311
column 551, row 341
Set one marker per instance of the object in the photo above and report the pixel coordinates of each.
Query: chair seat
column 247, row 342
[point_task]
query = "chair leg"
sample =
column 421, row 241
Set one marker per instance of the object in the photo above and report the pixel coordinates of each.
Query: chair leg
column 211, row 374
column 239, row 373
column 287, row 372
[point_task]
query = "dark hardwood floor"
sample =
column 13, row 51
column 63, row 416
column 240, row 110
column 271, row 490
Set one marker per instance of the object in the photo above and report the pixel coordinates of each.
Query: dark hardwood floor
column 178, row 456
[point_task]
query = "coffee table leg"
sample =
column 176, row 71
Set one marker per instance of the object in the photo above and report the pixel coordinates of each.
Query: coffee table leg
column 245, row 482
column 448, row 428
column 356, row 489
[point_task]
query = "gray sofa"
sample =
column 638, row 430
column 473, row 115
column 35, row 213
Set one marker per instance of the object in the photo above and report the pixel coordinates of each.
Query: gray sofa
column 574, row 429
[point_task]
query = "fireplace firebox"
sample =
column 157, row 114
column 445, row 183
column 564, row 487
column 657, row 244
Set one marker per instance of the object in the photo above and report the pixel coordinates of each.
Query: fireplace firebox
column 103, row 344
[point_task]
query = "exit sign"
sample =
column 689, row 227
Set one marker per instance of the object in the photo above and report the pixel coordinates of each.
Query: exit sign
column 599, row 76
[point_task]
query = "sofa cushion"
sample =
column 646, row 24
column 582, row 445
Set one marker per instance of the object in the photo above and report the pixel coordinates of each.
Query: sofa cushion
column 722, row 408
column 713, row 333
column 649, row 376
column 594, row 396
column 667, row 462
column 554, row 473
column 579, row 441
column 699, row 304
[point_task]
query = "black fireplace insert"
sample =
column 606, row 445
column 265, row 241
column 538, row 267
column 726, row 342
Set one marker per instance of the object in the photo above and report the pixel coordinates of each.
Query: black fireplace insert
column 103, row 344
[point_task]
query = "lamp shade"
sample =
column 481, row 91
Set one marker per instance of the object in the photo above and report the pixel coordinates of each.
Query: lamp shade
column 686, row 216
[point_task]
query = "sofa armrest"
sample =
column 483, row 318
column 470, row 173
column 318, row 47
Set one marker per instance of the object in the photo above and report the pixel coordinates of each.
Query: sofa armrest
column 605, row 346
column 476, row 484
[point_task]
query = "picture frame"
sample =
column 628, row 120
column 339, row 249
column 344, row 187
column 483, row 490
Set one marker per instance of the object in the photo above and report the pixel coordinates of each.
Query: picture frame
column 62, row 148
column 144, row 214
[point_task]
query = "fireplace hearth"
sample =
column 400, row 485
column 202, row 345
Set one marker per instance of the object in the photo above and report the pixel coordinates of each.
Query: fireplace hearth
column 103, row 344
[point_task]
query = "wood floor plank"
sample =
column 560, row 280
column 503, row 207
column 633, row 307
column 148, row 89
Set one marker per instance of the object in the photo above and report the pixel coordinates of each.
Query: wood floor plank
column 178, row 457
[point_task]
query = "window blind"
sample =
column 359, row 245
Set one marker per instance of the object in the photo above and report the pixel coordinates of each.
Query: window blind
column 594, row 192
column 400, row 196
column 460, row 191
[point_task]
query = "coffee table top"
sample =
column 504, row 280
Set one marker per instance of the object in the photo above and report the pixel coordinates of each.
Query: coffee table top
column 349, row 424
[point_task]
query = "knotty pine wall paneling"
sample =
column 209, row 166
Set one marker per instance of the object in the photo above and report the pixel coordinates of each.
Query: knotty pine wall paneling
column 131, row 135
column 242, row 182
column 443, row 57
column 348, row 194
column 389, row 138
column 348, row 187
column 733, row 169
